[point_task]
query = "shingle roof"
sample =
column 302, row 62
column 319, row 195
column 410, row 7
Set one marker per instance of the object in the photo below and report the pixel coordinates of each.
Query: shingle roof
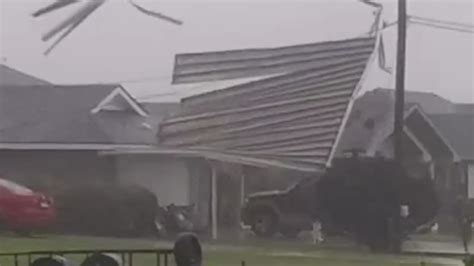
column 465, row 108
column 378, row 105
column 431, row 103
column 290, row 120
column 458, row 130
column 10, row 76
column 62, row 114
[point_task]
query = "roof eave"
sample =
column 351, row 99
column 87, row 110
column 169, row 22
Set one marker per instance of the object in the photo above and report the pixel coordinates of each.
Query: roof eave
column 69, row 146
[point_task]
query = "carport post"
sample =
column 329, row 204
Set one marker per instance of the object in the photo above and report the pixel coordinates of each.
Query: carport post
column 214, row 200
column 242, row 189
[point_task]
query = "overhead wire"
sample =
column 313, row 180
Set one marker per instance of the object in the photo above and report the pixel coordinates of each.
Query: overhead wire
column 436, row 23
column 439, row 21
column 432, row 25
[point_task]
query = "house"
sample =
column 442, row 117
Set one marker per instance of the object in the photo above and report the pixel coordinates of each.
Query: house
column 55, row 132
column 51, row 135
column 55, row 136
column 438, row 138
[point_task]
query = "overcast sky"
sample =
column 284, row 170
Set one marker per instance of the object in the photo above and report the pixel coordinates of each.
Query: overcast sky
column 117, row 43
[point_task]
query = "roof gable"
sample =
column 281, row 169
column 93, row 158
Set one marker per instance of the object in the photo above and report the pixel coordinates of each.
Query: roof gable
column 458, row 130
column 377, row 107
column 428, row 133
column 119, row 100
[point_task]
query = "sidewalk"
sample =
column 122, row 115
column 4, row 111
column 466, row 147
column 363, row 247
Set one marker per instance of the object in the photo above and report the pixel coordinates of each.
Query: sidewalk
column 447, row 248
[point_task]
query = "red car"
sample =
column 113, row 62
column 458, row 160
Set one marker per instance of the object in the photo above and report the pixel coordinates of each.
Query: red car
column 23, row 210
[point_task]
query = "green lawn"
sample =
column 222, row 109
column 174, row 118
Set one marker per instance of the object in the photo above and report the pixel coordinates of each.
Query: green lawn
column 217, row 255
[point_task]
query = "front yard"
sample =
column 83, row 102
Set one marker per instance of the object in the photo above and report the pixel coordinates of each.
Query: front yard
column 254, row 254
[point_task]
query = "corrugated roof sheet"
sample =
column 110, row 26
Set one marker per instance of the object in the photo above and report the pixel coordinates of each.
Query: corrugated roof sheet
column 198, row 67
column 290, row 120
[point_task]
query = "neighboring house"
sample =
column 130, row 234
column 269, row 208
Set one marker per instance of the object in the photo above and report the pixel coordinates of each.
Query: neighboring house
column 438, row 138
column 458, row 130
column 53, row 136
column 54, row 133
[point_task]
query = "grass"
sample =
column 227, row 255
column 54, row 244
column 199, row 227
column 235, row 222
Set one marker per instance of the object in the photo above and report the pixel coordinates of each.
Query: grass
column 254, row 254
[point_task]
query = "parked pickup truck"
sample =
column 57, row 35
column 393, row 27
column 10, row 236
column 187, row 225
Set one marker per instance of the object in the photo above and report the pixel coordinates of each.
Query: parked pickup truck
column 270, row 212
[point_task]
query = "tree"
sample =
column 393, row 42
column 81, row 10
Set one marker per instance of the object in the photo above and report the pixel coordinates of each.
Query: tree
column 363, row 197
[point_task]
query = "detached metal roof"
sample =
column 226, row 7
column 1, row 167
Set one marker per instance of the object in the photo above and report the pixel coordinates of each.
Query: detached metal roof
column 198, row 67
column 290, row 120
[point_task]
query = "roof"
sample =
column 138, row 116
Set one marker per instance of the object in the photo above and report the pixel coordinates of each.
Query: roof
column 231, row 64
column 290, row 120
column 431, row 103
column 56, row 114
column 465, row 108
column 371, row 120
column 458, row 130
column 10, row 76
column 164, row 91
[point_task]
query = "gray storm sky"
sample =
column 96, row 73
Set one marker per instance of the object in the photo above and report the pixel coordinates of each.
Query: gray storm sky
column 117, row 43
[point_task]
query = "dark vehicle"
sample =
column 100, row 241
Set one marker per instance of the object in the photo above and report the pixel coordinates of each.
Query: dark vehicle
column 356, row 196
column 110, row 210
column 270, row 212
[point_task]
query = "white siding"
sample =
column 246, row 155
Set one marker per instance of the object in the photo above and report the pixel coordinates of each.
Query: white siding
column 168, row 178
column 470, row 173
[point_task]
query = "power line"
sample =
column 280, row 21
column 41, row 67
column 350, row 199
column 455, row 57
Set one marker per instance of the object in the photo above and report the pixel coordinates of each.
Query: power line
column 446, row 22
column 390, row 24
column 442, row 27
column 433, row 25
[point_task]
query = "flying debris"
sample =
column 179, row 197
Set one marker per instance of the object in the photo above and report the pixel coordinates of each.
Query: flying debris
column 54, row 6
column 73, row 21
column 155, row 14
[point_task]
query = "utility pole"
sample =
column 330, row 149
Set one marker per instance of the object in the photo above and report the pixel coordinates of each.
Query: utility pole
column 394, row 223
column 400, row 82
